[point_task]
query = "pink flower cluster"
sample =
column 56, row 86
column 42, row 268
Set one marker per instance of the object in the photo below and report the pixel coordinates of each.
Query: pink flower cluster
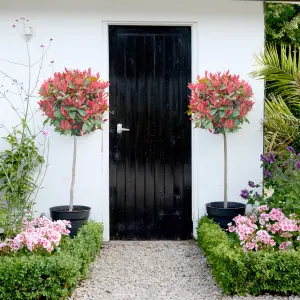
column 267, row 229
column 40, row 234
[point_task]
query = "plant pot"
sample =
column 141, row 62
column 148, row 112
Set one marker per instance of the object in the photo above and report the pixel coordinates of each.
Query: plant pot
column 223, row 216
column 77, row 217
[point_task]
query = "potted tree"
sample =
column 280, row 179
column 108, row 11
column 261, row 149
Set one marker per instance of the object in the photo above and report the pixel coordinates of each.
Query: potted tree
column 219, row 103
column 75, row 103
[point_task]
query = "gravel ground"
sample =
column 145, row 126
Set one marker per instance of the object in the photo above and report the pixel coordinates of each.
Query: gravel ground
column 156, row 270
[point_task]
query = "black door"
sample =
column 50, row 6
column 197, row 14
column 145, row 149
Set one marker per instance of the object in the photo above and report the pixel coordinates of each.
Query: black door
column 150, row 165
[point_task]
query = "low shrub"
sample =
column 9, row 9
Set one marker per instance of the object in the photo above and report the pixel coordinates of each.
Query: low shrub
column 39, row 276
column 254, row 272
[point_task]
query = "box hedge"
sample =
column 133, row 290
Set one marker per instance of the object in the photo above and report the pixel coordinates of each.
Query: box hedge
column 254, row 273
column 50, row 277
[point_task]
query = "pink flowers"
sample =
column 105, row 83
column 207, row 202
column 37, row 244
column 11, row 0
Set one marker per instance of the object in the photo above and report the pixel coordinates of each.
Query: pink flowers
column 45, row 133
column 40, row 234
column 267, row 229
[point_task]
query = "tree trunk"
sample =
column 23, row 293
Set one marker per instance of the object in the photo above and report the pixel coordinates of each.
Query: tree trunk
column 225, row 171
column 73, row 175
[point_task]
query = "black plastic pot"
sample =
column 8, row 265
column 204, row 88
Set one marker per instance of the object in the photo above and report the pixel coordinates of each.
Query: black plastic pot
column 223, row 216
column 77, row 217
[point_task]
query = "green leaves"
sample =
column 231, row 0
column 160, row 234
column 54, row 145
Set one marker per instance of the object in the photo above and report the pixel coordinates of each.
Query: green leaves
column 282, row 23
column 235, row 113
column 82, row 112
column 208, row 125
column 242, row 273
column 58, row 114
column 284, row 179
column 51, row 277
column 281, row 127
column 86, row 127
column 72, row 115
column 18, row 167
column 281, row 71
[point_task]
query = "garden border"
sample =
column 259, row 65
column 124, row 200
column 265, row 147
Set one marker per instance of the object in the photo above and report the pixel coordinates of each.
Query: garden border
column 54, row 276
column 242, row 273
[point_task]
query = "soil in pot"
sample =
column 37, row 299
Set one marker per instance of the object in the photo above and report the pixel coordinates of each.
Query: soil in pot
column 77, row 217
column 223, row 216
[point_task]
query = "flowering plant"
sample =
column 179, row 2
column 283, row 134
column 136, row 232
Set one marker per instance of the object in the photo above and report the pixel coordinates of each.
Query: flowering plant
column 267, row 229
column 219, row 103
column 75, row 103
column 39, row 235
column 282, row 175
column 24, row 159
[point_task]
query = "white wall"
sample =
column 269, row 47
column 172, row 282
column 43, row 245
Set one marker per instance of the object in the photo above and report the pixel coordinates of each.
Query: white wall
column 225, row 35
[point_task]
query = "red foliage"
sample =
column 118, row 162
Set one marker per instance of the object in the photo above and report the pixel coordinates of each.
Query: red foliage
column 74, row 101
column 220, row 102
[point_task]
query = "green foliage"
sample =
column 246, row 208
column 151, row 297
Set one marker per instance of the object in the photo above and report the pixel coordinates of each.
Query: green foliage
column 51, row 277
column 18, row 167
column 280, row 68
column 281, row 182
column 240, row 273
column 284, row 178
column 281, row 127
column 282, row 23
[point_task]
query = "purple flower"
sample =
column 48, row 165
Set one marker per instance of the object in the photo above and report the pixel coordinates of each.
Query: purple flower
column 251, row 184
column 272, row 157
column 264, row 158
column 291, row 149
column 268, row 174
column 244, row 194
column 298, row 164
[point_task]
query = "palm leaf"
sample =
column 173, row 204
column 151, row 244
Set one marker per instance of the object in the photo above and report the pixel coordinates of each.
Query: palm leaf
column 281, row 71
column 281, row 127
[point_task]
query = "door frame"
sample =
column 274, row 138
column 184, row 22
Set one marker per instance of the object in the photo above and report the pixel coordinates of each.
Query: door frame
column 105, row 197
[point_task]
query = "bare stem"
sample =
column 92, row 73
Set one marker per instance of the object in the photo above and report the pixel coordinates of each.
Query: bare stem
column 73, row 175
column 225, row 171
column 3, row 95
column 39, row 73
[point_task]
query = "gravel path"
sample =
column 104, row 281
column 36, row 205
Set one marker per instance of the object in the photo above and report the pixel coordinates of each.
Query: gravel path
column 156, row 270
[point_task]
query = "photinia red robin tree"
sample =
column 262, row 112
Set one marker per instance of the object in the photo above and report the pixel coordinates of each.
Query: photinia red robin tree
column 220, row 103
column 75, row 103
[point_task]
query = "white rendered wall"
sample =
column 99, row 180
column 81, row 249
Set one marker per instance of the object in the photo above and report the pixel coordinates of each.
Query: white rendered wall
column 226, row 34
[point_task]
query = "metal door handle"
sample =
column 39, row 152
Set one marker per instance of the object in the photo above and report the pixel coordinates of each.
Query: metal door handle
column 120, row 129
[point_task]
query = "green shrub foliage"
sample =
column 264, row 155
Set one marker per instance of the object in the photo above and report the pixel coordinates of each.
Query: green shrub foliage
column 282, row 23
column 241, row 273
column 50, row 277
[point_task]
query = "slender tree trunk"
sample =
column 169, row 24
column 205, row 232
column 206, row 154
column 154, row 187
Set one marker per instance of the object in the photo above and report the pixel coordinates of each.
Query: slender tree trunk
column 225, row 171
column 73, row 174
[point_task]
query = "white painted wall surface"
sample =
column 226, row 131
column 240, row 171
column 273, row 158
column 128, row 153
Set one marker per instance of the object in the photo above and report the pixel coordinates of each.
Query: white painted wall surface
column 226, row 34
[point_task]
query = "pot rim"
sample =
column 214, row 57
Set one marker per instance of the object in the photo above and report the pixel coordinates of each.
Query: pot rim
column 59, row 207
column 242, row 205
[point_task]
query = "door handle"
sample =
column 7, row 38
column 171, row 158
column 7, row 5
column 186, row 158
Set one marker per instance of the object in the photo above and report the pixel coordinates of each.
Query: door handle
column 120, row 129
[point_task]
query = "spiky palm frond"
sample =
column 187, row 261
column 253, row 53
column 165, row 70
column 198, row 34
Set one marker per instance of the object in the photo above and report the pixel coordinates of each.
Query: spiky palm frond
column 281, row 71
column 281, row 127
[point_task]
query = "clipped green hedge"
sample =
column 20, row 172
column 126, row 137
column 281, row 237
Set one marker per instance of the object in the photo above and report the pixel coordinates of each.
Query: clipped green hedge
column 253, row 273
column 51, row 277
